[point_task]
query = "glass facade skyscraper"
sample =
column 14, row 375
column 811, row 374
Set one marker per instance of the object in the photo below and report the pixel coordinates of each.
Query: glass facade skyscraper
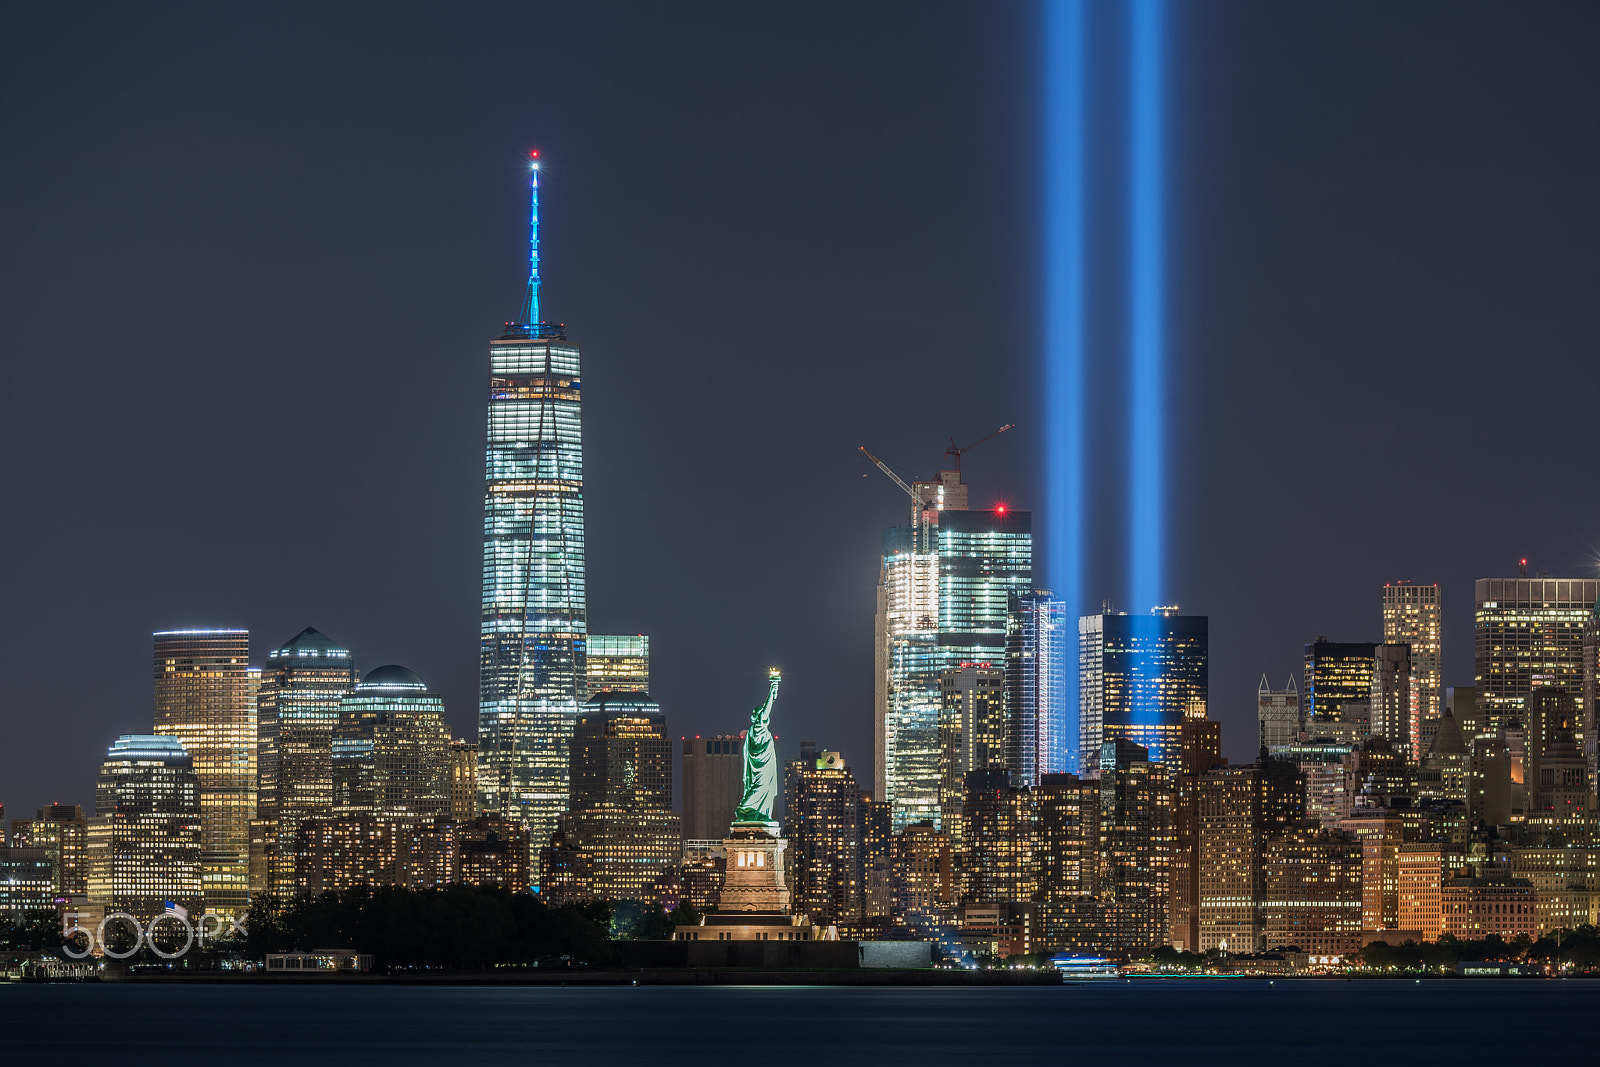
column 944, row 586
column 1139, row 678
column 205, row 697
column 144, row 840
column 1528, row 634
column 532, row 665
column 391, row 752
column 1039, row 641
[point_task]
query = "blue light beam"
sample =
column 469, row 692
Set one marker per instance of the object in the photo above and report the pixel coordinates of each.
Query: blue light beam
column 1064, row 257
column 1145, row 305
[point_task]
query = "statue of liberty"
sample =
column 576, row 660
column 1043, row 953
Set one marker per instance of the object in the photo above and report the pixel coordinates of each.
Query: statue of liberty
column 760, row 771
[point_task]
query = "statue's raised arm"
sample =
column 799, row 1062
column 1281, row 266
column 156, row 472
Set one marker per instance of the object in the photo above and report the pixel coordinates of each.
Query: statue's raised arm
column 760, row 769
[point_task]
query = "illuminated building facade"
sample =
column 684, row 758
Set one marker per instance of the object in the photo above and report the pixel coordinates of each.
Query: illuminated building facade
column 945, row 583
column 621, row 777
column 1336, row 673
column 391, row 751
column 1566, row 884
column 205, row 697
column 144, row 841
column 1133, row 865
column 1201, row 750
column 1412, row 616
column 922, row 876
column 493, row 850
column 823, row 826
column 1139, row 676
column 1421, row 869
column 1066, row 835
column 1381, row 833
column 1277, row 715
column 533, row 673
column 463, row 780
column 1393, row 708
column 972, row 735
column 998, row 859
column 27, row 881
column 62, row 831
column 297, row 712
column 1527, row 633
column 713, row 783
column 1312, row 890
column 1240, row 808
column 618, row 663
column 1041, row 731
column 1490, row 902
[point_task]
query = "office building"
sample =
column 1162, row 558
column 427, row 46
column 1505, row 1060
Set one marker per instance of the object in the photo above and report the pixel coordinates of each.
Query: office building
column 1421, row 869
column 62, row 832
column 1336, row 672
column 621, row 777
column 463, row 775
column 297, row 711
column 1443, row 774
column 945, row 580
column 1393, row 705
column 1200, row 751
column 27, row 883
column 1381, row 832
column 1528, row 633
column 533, row 674
column 1139, row 677
column 1490, row 902
column 922, row 878
column 1412, row 616
column 1312, row 890
column 620, row 664
column 1041, row 735
column 1240, row 808
column 205, row 697
column 1566, row 884
column 1133, row 865
column 1277, row 715
column 826, row 858
column 713, row 782
column 998, row 859
column 972, row 735
column 391, row 750
column 144, row 841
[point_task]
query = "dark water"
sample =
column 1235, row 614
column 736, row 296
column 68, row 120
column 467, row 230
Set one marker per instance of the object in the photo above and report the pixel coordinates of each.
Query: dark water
column 1171, row 1022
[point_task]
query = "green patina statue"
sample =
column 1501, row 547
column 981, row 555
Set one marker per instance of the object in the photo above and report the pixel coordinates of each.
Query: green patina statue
column 760, row 772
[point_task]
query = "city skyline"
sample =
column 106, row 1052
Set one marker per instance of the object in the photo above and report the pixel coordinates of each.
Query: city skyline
column 663, row 581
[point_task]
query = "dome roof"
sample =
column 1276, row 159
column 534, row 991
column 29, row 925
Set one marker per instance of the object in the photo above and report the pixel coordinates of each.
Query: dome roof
column 392, row 676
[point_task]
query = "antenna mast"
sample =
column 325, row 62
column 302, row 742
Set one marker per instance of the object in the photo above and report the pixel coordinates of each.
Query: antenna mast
column 530, row 303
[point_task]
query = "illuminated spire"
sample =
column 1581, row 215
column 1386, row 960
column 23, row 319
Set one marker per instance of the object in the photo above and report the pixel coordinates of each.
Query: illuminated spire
column 530, row 303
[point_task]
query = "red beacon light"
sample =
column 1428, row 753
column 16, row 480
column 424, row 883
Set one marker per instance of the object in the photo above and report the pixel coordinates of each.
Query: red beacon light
column 999, row 509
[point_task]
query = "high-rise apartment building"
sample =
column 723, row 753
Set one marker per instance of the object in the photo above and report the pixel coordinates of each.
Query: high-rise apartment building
column 972, row 734
column 1134, row 862
column 1336, row 673
column 144, row 841
column 205, row 697
column 617, row 663
column 1393, row 710
column 391, row 750
column 62, row 832
column 1041, row 729
column 297, row 712
column 621, row 777
column 713, row 782
column 1239, row 809
column 945, row 580
column 1277, row 715
column 1139, row 677
column 826, row 857
column 998, row 855
column 1528, row 633
column 1312, row 893
column 1412, row 616
column 533, row 673
column 1200, row 751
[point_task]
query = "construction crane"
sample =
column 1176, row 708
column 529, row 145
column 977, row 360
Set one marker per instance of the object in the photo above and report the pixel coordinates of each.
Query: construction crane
column 921, row 504
column 957, row 453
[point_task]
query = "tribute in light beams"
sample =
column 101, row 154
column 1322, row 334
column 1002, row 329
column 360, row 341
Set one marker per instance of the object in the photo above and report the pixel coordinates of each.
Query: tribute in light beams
column 1145, row 340
column 1063, row 313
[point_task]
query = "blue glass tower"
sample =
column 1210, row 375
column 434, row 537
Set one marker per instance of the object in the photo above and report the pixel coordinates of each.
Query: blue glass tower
column 534, row 621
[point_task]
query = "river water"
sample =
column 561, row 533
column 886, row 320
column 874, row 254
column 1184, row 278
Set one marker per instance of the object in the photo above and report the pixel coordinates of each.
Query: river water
column 1503, row 1022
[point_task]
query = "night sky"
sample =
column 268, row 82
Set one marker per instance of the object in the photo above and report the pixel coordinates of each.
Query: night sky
column 253, row 255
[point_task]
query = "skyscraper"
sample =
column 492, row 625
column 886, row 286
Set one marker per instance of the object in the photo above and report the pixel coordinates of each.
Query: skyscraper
column 1394, row 707
column 617, row 663
column 1139, row 676
column 62, row 832
column 532, row 668
column 713, row 782
column 297, row 711
column 824, row 827
column 1277, row 714
column 205, row 697
column 1134, row 861
column 144, row 839
column 1040, row 739
column 1412, row 615
column 391, row 750
column 944, row 584
column 972, row 734
column 621, row 779
column 1336, row 672
column 1527, row 633
column 463, row 781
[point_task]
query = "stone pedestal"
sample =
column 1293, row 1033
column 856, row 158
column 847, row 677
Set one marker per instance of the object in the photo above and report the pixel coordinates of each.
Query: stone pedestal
column 754, row 904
